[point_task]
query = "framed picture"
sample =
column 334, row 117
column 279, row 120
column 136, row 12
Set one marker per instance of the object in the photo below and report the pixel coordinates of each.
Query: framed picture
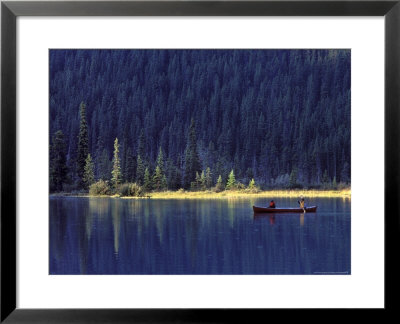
column 180, row 166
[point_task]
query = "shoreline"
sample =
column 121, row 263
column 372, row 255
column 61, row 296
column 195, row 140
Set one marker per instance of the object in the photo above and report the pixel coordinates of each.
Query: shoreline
column 344, row 193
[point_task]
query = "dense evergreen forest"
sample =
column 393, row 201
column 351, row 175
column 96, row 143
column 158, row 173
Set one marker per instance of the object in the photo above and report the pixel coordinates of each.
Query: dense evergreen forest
column 177, row 118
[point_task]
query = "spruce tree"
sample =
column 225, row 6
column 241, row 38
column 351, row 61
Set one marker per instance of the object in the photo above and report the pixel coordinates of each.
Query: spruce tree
column 219, row 186
column 196, row 184
column 334, row 183
column 157, row 179
column 140, row 170
column 141, row 145
column 231, row 181
column 129, row 166
column 88, row 176
column 345, row 174
column 252, row 184
column 164, row 183
column 325, row 180
column 98, row 156
column 160, row 160
column 122, row 159
column 192, row 160
column 104, row 166
column 293, row 179
column 203, row 181
column 58, row 165
column 147, row 183
column 83, row 145
column 116, row 175
column 208, row 178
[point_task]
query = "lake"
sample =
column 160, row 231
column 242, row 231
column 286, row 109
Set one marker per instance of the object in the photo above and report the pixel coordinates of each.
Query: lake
column 219, row 236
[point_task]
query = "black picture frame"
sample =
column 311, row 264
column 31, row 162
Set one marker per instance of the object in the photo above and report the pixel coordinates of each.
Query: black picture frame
column 10, row 10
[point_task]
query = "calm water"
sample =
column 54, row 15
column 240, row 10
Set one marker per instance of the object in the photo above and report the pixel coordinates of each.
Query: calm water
column 123, row 236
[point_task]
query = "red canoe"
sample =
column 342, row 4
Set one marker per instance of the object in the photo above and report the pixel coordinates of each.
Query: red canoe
column 311, row 209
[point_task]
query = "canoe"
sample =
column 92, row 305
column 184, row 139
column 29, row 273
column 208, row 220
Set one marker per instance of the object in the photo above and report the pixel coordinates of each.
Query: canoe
column 310, row 209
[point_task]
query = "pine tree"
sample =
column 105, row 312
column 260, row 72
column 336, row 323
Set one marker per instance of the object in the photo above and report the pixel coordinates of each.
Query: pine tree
column 252, row 184
column 116, row 175
column 196, row 184
column 293, row 179
column 88, row 176
column 334, row 183
column 104, row 166
column 123, row 154
column 98, row 157
column 141, row 145
column 157, row 178
column 325, row 180
column 147, row 184
column 192, row 160
column 219, row 186
column 83, row 144
column 208, row 178
column 231, row 181
column 345, row 174
column 129, row 166
column 140, row 170
column 58, row 166
column 160, row 160
column 164, row 183
column 203, row 181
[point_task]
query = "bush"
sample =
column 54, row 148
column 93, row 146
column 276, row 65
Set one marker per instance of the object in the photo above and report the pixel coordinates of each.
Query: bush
column 218, row 189
column 123, row 189
column 130, row 190
column 99, row 188
column 240, row 186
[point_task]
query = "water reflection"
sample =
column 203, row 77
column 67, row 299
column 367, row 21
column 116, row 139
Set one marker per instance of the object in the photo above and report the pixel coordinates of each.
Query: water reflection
column 272, row 217
column 116, row 221
column 124, row 236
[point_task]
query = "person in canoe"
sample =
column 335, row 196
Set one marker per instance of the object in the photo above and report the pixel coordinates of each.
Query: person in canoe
column 272, row 204
column 302, row 203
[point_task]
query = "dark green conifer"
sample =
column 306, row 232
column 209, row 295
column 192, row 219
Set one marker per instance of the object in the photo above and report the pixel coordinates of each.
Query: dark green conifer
column 219, row 186
column 58, row 165
column 147, row 183
column 293, row 179
column 129, row 166
column 140, row 170
column 157, row 179
column 192, row 160
column 88, row 176
column 208, row 179
column 83, row 145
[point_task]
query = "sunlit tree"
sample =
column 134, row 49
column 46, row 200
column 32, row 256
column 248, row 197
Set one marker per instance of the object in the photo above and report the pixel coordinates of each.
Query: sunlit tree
column 116, row 175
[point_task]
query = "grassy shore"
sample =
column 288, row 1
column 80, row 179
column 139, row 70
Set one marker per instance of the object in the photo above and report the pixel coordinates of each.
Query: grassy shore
column 345, row 193
column 228, row 194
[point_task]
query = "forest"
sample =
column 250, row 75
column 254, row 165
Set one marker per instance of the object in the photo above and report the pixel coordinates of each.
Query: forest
column 197, row 119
